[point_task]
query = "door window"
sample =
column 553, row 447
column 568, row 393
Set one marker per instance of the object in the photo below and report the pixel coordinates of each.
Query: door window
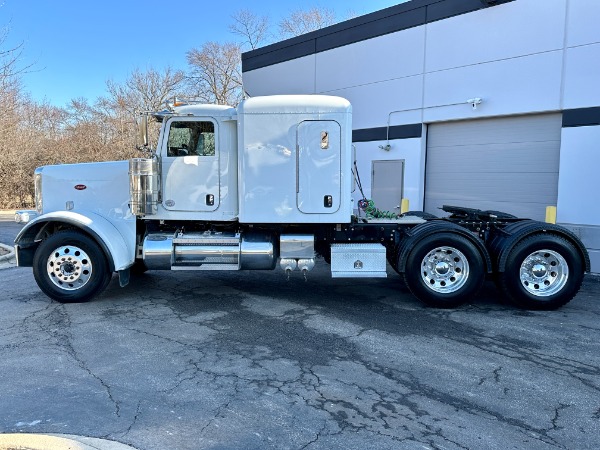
column 191, row 139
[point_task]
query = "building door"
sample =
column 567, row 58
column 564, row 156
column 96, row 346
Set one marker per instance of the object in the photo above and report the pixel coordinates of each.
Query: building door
column 506, row 164
column 387, row 181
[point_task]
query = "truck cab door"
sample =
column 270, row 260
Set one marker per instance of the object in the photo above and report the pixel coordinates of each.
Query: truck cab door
column 318, row 180
column 190, row 164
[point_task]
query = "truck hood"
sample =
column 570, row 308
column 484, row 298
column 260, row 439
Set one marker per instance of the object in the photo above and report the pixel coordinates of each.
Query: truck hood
column 100, row 187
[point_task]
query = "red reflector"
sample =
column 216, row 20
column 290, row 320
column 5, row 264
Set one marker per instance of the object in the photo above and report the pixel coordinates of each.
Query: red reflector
column 80, row 187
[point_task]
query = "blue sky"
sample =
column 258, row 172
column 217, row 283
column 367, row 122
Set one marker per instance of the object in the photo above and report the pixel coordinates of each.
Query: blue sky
column 75, row 46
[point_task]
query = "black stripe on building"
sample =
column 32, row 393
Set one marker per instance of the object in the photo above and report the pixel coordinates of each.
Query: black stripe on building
column 581, row 117
column 390, row 20
column 414, row 130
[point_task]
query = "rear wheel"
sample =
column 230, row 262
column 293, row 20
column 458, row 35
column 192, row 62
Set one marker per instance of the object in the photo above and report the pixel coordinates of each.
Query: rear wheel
column 70, row 267
column 543, row 272
column 444, row 270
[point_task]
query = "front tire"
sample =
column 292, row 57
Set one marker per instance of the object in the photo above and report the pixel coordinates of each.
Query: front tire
column 444, row 270
column 70, row 267
column 543, row 272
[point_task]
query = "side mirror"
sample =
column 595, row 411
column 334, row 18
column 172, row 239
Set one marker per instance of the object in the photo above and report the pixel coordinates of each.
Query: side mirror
column 142, row 135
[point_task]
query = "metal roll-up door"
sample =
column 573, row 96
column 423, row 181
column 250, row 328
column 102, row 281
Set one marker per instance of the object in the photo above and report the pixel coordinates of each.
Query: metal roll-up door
column 507, row 164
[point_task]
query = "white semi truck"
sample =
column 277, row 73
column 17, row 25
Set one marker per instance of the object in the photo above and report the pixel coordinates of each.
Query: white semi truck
column 269, row 184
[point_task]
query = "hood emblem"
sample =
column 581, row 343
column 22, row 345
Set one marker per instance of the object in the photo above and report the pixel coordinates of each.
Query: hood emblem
column 80, row 187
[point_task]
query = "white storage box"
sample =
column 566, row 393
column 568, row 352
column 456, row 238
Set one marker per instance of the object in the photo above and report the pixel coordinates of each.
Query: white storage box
column 358, row 261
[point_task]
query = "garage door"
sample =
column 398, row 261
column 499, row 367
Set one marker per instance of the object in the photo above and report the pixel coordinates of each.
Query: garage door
column 506, row 164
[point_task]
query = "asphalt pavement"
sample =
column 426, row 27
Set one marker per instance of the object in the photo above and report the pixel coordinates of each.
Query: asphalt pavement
column 248, row 360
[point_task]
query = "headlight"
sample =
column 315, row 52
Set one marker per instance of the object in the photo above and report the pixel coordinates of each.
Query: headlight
column 37, row 180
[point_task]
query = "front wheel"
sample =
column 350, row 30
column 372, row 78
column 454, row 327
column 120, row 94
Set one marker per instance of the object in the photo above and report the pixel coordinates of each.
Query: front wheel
column 70, row 267
column 543, row 272
column 444, row 270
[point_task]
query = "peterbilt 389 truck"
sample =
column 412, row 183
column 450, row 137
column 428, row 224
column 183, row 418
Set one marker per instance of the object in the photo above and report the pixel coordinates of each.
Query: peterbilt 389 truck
column 269, row 184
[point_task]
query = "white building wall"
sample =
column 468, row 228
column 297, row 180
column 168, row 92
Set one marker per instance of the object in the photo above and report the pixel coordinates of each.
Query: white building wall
column 390, row 57
column 291, row 77
column 582, row 71
column 409, row 150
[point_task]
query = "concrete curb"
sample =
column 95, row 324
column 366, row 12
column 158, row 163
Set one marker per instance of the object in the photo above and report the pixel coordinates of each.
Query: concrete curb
column 57, row 442
column 8, row 256
column 6, row 213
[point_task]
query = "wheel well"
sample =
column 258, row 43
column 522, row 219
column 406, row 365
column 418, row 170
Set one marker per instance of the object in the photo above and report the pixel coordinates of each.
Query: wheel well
column 33, row 236
column 516, row 233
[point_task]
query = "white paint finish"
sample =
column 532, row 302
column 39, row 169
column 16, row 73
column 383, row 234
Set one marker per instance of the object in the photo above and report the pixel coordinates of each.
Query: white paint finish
column 102, row 206
column 519, row 28
column 318, row 166
column 578, row 180
column 388, row 57
column 120, row 242
column 514, row 86
column 202, row 109
column 582, row 22
column 582, row 75
column 187, row 180
column 268, row 159
column 296, row 76
column 403, row 95
column 411, row 151
column 295, row 104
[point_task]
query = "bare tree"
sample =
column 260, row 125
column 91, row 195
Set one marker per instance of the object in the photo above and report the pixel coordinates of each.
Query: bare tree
column 254, row 29
column 215, row 73
column 147, row 90
column 9, row 59
column 304, row 21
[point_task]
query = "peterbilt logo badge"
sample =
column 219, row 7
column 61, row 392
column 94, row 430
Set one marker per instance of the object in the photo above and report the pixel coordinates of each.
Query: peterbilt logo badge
column 80, row 187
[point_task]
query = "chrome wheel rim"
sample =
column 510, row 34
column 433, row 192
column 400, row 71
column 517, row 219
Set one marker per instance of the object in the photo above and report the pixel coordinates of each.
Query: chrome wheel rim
column 445, row 270
column 69, row 268
column 544, row 273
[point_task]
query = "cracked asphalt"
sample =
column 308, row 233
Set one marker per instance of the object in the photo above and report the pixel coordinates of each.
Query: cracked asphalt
column 248, row 360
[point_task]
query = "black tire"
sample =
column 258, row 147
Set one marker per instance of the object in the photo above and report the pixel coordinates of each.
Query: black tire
column 543, row 272
column 455, row 279
column 70, row 267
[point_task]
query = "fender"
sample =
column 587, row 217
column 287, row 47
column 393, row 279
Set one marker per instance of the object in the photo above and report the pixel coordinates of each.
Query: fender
column 119, row 249
column 426, row 229
column 505, row 239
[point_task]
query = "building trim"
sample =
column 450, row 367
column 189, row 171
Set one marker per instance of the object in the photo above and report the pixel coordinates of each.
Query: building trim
column 390, row 20
column 581, row 117
column 414, row 130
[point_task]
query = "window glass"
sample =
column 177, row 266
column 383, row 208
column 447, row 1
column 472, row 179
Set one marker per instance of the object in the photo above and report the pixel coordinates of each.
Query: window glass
column 191, row 138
